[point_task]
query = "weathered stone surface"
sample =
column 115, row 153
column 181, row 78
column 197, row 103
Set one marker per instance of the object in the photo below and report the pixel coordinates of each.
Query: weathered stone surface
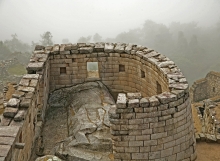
column 56, row 49
column 4, row 150
column 39, row 47
column 134, row 95
column 128, row 48
column 179, row 86
column 19, row 145
column 121, row 100
column 88, row 122
column 20, row 115
column 99, row 47
column 133, row 103
column 144, row 102
column 48, row 158
column 25, row 103
column 166, row 97
column 13, row 102
column 8, row 131
column 153, row 101
column 165, row 64
column 26, row 89
column 5, row 140
column 10, row 112
column 150, row 54
column 18, row 94
column 67, row 47
column 35, row 66
column 33, row 83
column 5, row 121
column 74, row 47
column 31, row 76
column 85, row 50
column 120, row 47
column 109, row 47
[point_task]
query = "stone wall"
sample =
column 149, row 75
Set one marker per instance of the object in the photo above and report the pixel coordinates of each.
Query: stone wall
column 25, row 111
column 110, row 57
column 153, row 124
column 205, row 88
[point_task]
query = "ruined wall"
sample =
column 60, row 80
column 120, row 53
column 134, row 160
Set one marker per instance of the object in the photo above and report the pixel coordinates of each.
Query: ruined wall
column 205, row 88
column 153, row 125
column 213, row 81
column 25, row 110
column 198, row 91
column 140, row 73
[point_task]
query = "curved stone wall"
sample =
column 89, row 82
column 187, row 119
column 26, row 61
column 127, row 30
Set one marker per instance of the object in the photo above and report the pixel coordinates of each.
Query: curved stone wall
column 152, row 119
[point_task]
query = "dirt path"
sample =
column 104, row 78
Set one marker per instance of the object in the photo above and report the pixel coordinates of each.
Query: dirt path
column 54, row 130
column 208, row 151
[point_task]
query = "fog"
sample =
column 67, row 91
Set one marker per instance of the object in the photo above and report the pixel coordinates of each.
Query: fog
column 74, row 18
column 186, row 31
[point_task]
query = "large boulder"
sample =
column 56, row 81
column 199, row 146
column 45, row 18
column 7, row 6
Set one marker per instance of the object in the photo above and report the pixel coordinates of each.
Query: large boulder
column 88, row 124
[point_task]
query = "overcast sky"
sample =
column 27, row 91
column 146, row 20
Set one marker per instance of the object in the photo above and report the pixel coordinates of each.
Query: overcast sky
column 75, row 18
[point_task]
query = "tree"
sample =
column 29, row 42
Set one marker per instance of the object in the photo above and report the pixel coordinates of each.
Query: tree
column 65, row 41
column 84, row 39
column 46, row 39
column 16, row 45
column 97, row 38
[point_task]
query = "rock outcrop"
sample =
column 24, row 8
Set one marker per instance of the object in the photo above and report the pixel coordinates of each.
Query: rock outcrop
column 88, row 123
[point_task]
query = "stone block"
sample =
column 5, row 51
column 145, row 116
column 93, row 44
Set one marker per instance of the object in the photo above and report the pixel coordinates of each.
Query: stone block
column 153, row 101
column 25, row 103
column 109, row 47
column 24, row 82
column 136, row 121
column 133, row 103
column 144, row 102
column 120, row 47
column 10, row 112
column 35, row 66
column 20, row 115
column 136, row 143
column 128, row 48
column 166, row 97
column 85, row 50
column 139, row 156
column 121, row 100
column 5, row 150
column 13, row 102
column 154, row 155
column 39, row 47
column 133, row 95
column 18, row 94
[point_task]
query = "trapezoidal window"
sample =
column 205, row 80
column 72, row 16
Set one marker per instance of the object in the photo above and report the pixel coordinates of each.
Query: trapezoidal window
column 159, row 89
column 62, row 70
column 142, row 74
column 92, row 70
column 121, row 68
column 213, row 89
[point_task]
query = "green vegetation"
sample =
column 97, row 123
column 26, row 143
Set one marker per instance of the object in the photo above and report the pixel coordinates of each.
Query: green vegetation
column 17, row 69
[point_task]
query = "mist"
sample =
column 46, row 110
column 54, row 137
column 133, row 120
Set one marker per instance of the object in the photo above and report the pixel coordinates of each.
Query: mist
column 74, row 18
column 188, row 32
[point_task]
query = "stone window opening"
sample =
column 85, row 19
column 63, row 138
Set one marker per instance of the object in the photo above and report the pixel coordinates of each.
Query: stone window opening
column 62, row 70
column 121, row 68
column 159, row 89
column 20, row 138
column 213, row 89
column 73, row 60
column 142, row 74
column 92, row 70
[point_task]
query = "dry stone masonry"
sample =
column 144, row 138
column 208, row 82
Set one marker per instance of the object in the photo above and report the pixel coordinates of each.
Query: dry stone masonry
column 205, row 88
column 152, row 118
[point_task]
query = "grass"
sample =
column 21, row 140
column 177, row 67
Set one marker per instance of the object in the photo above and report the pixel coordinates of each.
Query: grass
column 16, row 69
